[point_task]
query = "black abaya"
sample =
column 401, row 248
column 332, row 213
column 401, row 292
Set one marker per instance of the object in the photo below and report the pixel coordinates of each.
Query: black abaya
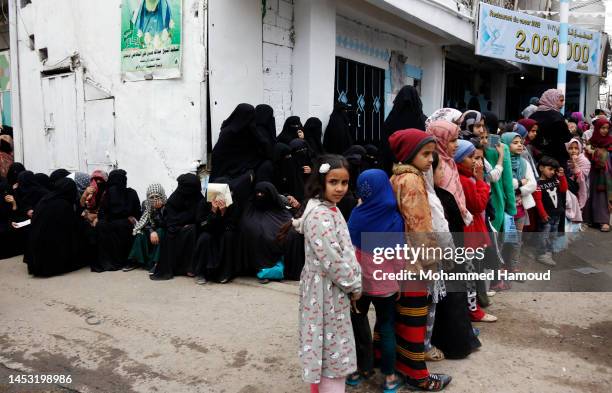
column 260, row 226
column 288, row 176
column 177, row 247
column 407, row 112
column 338, row 138
column 54, row 232
column 238, row 149
column 265, row 126
column 11, row 239
column 313, row 134
column 119, row 209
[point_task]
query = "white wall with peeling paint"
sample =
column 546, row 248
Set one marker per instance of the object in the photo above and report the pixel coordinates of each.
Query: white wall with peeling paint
column 159, row 125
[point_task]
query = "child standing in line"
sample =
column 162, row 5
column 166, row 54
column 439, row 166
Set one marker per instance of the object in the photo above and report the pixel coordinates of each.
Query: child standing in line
column 551, row 185
column 413, row 150
column 524, row 184
column 378, row 218
column 598, row 208
column 477, row 191
column 330, row 280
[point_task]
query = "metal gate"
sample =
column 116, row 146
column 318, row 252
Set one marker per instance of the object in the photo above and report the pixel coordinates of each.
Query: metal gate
column 362, row 87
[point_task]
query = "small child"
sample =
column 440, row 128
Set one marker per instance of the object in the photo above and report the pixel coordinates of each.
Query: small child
column 149, row 230
column 578, row 167
column 551, row 185
column 330, row 280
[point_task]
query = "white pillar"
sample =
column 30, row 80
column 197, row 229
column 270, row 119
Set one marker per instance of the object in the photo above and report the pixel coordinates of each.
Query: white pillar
column 562, row 69
column 15, row 82
column 432, row 88
column 314, row 58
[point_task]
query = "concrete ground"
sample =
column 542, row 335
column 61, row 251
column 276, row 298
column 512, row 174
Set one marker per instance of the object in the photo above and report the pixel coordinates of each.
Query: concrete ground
column 121, row 332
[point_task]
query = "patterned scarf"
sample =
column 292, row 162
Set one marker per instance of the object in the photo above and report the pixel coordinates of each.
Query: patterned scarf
column 154, row 191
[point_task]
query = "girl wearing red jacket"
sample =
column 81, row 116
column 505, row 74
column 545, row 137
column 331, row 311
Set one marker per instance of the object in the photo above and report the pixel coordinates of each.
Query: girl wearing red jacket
column 477, row 191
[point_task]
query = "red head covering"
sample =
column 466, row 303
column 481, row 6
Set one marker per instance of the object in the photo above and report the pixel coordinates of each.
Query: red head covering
column 527, row 123
column 405, row 144
column 598, row 140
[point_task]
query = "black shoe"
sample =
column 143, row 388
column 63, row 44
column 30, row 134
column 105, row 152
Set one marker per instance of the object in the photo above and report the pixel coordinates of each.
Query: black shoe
column 129, row 268
column 201, row 280
column 434, row 383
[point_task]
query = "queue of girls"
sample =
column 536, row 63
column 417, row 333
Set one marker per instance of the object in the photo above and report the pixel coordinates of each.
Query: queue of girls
column 292, row 196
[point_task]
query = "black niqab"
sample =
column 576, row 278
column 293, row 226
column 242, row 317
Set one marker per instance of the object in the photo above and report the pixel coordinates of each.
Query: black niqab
column 29, row 192
column 56, row 175
column 313, row 134
column 290, row 130
column 338, row 136
column 119, row 201
column 13, row 172
column 182, row 205
column 288, row 177
column 266, row 129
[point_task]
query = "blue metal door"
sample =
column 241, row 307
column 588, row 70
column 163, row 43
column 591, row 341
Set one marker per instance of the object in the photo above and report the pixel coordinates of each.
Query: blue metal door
column 362, row 87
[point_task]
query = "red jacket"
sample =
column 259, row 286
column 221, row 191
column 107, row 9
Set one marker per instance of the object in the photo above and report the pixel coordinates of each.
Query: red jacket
column 476, row 199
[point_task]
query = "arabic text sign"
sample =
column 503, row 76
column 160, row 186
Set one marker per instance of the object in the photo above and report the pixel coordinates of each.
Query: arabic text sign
column 514, row 36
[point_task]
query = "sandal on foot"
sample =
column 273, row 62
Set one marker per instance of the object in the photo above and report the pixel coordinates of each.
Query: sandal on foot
column 433, row 383
column 488, row 318
column 605, row 228
column 354, row 379
column 434, row 355
column 391, row 387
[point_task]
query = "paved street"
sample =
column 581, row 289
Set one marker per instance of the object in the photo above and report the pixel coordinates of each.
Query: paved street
column 121, row 332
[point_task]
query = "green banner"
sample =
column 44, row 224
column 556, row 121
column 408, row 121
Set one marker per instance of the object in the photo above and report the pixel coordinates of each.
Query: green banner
column 151, row 37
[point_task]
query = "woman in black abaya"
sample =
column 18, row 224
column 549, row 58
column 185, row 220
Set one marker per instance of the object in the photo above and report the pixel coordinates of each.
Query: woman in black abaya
column 177, row 248
column 219, row 252
column 355, row 157
column 119, row 211
column 260, row 225
column 238, row 149
column 27, row 194
column 407, row 113
column 291, row 130
column 338, row 138
column 11, row 239
column 313, row 134
column 54, row 232
column 302, row 156
column 265, row 125
column 13, row 172
column 288, row 176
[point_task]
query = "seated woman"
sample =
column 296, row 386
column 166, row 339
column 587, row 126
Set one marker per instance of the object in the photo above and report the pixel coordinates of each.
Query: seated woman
column 28, row 192
column 150, row 230
column 119, row 211
column 219, row 252
column 176, row 256
column 262, row 220
column 12, row 245
column 92, row 196
column 54, row 232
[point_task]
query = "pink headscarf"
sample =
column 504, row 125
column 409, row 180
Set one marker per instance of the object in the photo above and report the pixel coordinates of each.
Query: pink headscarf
column 444, row 132
column 98, row 174
column 550, row 100
column 581, row 171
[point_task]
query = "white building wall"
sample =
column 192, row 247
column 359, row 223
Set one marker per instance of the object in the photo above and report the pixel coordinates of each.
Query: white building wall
column 159, row 124
column 278, row 43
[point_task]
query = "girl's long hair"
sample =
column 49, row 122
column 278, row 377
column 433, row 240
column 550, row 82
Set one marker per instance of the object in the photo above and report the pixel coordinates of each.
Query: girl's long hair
column 315, row 186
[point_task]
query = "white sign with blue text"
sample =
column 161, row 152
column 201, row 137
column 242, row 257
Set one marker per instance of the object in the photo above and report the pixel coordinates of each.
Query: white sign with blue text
column 515, row 36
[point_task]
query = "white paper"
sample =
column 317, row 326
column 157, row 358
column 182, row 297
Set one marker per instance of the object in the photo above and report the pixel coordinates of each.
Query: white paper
column 22, row 224
column 218, row 189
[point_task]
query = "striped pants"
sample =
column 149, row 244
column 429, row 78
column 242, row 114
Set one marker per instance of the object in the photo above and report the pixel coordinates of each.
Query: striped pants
column 410, row 329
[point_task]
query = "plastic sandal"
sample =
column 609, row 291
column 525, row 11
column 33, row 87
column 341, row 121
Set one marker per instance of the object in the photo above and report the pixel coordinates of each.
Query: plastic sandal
column 354, row 379
column 434, row 355
column 393, row 386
